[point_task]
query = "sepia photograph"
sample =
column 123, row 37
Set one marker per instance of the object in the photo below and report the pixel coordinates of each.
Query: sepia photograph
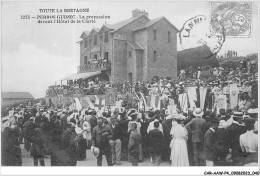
column 130, row 83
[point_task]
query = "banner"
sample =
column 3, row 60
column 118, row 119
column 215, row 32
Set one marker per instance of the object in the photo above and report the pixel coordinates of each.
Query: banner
column 233, row 95
column 192, row 94
column 153, row 101
column 171, row 108
column 110, row 96
column 183, row 102
column 203, row 91
column 221, row 103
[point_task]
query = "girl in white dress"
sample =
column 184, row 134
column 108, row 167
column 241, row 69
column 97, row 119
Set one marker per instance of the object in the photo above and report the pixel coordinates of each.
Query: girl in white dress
column 178, row 145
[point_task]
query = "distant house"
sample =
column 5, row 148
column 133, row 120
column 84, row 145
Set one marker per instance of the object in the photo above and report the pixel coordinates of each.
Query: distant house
column 9, row 98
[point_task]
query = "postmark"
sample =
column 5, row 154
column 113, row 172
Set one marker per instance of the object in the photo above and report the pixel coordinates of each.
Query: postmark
column 235, row 17
column 196, row 32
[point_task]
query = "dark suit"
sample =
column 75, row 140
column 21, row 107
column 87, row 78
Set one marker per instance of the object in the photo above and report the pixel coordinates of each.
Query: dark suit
column 209, row 145
column 197, row 127
column 155, row 145
column 100, row 138
column 93, row 123
column 167, row 125
column 231, row 138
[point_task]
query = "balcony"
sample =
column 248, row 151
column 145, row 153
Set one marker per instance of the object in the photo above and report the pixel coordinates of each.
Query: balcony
column 95, row 66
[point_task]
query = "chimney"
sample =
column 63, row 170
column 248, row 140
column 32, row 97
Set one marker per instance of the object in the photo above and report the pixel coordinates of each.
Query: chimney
column 138, row 12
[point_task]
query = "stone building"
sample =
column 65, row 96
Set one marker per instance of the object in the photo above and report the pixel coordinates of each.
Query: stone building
column 10, row 98
column 135, row 49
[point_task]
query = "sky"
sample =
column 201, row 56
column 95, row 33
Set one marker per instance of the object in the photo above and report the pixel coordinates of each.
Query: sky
column 34, row 55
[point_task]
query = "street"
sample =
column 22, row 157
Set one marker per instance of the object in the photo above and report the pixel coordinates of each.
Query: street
column 89, row 161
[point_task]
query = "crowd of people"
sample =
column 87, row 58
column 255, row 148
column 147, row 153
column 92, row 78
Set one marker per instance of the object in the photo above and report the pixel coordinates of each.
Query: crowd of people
column 197, row 137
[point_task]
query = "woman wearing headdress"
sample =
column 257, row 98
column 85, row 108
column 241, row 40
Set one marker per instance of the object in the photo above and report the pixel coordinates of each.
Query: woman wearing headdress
column 179, row 153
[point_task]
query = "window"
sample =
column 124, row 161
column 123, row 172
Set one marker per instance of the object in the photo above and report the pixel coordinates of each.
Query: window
column 106, row 56
column 85, row 59
column 129, row 54
column 95, row 40
column 95, row 57
column 154, row 56
column 154, row 34
column 85, row 43
column 101, row 39
column 90, row 42
column 106, row 37
column 169, row 37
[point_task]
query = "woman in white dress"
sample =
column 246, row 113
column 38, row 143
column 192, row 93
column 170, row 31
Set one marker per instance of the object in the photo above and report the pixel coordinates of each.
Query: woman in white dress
column 178, row 145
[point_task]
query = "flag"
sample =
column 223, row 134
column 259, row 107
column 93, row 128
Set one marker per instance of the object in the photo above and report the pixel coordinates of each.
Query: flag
column 203, row 91
column 86, row 103
column 183, row 99
column 99, row 104
column 233, row 95
column 142, row 102
column 192, row 94
column 77, row 104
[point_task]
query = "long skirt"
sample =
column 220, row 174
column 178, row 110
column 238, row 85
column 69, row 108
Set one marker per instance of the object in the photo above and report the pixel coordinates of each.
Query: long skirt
column 179, row 153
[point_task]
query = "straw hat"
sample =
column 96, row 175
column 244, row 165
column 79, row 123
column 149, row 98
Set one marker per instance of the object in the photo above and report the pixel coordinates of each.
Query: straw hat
column 198, row 112
column 95, row 152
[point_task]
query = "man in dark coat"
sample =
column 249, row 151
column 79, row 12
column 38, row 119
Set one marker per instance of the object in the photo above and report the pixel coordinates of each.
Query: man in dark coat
column 68, row 156
column 209, row 143
column 155, row 144
column 133, row 145
column 232, row 135
column 167, row 125
column 93, row 121
column 11, row 151
column 101, row 136
column 197, row 128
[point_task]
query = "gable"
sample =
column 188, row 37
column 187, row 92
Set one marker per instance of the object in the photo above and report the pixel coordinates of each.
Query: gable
column 94, row 31
column 154, row 22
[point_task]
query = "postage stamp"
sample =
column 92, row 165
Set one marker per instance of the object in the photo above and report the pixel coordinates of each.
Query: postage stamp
column 236, row 17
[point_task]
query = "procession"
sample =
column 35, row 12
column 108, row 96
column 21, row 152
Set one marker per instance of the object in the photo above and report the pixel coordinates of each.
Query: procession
column 182, row 128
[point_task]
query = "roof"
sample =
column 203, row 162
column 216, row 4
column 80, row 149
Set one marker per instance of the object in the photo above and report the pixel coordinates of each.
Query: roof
column 81, row 75
column 121, row 24
column 149, row 23
column 84, row 32
column 96, row 29
column 17, row 95
column 153, row 21
column 134, row 45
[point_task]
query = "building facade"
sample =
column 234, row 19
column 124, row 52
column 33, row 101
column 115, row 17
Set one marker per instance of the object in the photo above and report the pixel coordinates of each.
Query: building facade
column 10, row 98
column 136, row 49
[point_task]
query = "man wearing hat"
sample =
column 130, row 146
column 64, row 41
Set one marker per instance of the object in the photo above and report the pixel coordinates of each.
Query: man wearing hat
column 209, row 143
column 101, row 138
column 232, row 134
column 197, row 126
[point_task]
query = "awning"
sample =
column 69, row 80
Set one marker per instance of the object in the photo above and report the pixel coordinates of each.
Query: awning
column 81, row 75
